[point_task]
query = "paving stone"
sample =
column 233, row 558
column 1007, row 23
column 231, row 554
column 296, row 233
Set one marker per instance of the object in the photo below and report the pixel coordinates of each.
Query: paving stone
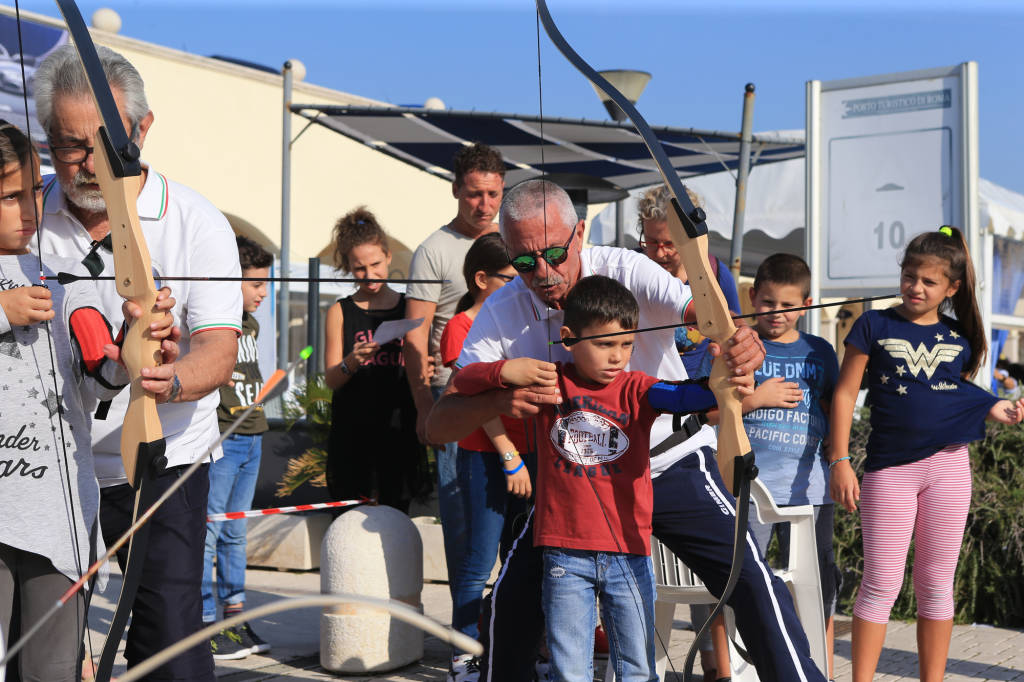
column 978, row 653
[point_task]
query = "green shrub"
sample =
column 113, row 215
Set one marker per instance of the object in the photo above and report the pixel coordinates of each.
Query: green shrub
column 310, row 403
column 989, row 583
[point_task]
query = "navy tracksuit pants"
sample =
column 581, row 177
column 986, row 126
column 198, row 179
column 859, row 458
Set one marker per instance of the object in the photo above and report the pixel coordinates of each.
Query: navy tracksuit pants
column 693, row 517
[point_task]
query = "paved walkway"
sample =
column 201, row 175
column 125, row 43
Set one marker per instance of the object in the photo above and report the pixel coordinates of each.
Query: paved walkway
column 978, row 653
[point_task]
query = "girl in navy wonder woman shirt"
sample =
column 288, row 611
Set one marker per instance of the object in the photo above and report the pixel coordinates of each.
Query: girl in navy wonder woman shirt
column 924, row 412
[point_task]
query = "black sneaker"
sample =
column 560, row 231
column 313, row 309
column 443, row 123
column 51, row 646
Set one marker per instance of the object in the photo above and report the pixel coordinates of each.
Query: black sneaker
column 256, row 644
column 228, row 645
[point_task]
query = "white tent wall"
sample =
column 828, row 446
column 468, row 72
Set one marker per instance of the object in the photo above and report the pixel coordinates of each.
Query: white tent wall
column 774, row 222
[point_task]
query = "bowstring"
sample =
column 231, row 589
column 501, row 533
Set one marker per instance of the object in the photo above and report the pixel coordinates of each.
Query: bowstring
column 69, row 498
column 634, row 587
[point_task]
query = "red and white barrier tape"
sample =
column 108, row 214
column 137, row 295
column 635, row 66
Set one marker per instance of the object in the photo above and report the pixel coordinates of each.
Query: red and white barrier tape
column 252, row 513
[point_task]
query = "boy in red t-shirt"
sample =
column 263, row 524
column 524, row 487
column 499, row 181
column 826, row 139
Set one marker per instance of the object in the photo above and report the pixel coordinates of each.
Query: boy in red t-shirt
column 594, row 498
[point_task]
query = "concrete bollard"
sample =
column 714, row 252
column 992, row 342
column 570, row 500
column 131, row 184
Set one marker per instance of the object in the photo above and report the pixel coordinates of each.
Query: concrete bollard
column 377, row 552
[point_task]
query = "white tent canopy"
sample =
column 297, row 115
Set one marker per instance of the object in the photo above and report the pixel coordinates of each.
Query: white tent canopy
column 775, row 210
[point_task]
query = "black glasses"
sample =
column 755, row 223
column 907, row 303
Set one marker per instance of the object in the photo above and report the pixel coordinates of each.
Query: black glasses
column 554, row 255
column 73, row 154
column 502, row 277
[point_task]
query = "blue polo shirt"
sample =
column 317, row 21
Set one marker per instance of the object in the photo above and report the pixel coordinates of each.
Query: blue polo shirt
column 788, row 440
column 919, row 401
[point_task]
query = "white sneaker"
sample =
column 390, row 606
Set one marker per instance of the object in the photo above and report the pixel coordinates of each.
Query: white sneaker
column 464, row 668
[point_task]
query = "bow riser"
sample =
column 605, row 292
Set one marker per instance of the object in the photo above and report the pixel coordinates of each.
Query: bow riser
column 714, row 320
column 135, row 283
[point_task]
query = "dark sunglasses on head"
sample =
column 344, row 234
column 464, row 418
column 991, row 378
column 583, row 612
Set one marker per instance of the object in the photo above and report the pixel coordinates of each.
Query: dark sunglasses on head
column 554, row 255
column 503, row 277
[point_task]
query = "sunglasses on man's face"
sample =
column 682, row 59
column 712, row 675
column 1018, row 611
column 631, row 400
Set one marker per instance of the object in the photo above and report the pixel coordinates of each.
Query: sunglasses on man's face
column 553, row 255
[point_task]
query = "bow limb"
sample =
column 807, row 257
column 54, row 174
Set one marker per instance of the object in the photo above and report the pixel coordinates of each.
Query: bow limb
column 689, row 232
column 119, row 174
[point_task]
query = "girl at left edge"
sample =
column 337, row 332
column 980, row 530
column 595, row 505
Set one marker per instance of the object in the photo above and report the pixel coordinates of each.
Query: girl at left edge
column 49, row 497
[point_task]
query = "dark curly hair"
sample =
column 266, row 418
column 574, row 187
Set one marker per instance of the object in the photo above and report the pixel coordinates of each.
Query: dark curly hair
column 476, row 157
column 356, row 228
column 251, row 255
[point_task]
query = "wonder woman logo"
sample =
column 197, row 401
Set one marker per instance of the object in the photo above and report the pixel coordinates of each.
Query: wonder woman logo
column 920, row 358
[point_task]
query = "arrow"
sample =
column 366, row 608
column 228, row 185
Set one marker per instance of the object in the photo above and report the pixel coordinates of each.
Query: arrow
column 67, row 278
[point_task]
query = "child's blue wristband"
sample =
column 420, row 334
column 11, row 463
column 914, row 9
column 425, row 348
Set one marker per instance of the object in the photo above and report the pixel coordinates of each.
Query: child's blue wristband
column 521, row 465
column 832, row 464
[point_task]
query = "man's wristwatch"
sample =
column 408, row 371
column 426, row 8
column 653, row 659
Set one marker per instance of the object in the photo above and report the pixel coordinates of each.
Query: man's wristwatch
column 175, row 389
column 345, row 369
column 509, row 456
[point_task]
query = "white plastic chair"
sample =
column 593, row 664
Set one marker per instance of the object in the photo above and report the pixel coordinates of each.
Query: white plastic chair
column 677, row 584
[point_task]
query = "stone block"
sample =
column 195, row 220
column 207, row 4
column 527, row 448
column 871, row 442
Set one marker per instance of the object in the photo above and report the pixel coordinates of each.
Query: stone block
column 286, row 541
column 373, row 552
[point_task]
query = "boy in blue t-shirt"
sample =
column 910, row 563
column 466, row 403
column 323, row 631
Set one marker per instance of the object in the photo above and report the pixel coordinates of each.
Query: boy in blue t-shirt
column 786, row 417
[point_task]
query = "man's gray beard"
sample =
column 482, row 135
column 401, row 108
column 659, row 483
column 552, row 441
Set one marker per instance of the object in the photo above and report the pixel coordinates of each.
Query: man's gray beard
column 87, row 200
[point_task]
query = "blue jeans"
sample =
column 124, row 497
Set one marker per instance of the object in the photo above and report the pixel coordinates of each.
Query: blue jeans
column 573, row 580
column 482, row 484
column 232, row 485
column 450, row 505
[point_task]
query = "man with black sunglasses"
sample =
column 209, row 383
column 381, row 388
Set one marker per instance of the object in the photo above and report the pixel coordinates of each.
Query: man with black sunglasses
column 691, row 515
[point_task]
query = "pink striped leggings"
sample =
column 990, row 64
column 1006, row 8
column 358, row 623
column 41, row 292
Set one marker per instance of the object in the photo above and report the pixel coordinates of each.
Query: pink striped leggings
column 929, row 499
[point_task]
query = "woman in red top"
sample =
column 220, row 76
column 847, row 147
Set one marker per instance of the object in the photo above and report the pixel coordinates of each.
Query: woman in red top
column 490, row 468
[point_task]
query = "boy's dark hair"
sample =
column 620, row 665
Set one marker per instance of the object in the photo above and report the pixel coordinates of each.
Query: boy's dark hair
column 784, row 268
column 597, row 300
column 251, row 255
column 476, row 157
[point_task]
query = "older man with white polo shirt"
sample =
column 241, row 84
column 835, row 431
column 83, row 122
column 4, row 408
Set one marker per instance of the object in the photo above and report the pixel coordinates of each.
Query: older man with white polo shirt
column 693, row 511
column 186, row 236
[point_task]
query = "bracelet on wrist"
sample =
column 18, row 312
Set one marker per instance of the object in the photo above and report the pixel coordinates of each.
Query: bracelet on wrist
column 832, row 464
column 344, row 367
column 509, row 472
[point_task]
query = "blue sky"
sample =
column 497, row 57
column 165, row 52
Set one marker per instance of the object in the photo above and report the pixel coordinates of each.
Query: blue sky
column 483, row 55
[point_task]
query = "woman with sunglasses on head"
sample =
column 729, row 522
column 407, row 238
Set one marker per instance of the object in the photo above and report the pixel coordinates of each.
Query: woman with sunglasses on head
column 656, row 243
column 372, row 449
column 489, row 467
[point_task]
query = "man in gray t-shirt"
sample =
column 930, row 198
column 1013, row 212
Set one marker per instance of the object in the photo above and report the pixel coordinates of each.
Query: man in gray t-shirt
column 479, row 181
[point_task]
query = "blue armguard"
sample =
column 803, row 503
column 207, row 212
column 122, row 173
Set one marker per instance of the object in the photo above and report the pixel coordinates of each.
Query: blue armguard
column 681, row 398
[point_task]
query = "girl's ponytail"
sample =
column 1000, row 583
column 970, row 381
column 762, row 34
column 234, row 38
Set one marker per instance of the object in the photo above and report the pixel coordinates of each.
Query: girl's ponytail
column 949, row 245
column 488, row 253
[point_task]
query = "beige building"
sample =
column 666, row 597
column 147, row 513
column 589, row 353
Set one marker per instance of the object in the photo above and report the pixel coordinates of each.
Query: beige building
column 218, row 130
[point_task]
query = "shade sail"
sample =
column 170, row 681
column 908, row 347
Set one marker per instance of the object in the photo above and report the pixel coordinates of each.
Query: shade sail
column 611, row 155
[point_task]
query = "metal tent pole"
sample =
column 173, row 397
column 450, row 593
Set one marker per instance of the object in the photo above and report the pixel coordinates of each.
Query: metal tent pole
column 313, row 318
column 746, row 132
column 283, row 293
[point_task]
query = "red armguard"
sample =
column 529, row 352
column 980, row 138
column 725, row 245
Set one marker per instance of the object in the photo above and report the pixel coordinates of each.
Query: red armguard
column 478, row 377
column 90, row 329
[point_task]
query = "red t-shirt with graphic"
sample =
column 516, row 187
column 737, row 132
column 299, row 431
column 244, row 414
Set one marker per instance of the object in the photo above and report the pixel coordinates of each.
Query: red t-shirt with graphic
column 593, row 461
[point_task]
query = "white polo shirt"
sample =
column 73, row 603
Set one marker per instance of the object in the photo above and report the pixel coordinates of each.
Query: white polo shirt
column 187, row 236
column 515, row 323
